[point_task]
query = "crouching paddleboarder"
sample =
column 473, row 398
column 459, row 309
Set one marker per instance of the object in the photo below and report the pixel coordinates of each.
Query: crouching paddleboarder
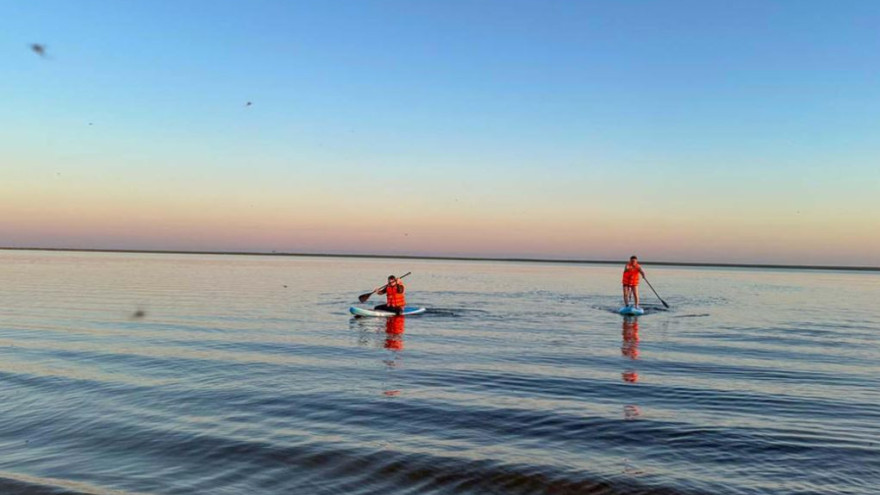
column 394, row 298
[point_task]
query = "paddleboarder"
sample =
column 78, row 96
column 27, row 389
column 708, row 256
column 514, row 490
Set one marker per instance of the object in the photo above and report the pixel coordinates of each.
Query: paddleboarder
column 394, row 298
column 631, row 281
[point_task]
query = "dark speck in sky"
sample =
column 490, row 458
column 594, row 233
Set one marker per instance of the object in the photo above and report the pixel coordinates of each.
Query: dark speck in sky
column 39, row 49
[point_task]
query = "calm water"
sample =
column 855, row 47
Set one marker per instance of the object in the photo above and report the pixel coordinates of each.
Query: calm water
column 177, row 374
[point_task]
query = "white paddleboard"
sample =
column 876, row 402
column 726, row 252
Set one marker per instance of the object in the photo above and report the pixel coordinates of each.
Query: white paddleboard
column 407, row 311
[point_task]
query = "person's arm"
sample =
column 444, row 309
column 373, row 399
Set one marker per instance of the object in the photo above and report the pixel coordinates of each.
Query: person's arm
column 400, row 288
column 382, row 290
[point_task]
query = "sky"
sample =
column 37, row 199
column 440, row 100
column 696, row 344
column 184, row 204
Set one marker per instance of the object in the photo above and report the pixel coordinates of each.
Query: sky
column 696, row 131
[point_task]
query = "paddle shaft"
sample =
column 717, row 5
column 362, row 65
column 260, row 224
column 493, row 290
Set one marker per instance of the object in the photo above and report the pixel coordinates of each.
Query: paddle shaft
column 654, row 291
column 364, row 297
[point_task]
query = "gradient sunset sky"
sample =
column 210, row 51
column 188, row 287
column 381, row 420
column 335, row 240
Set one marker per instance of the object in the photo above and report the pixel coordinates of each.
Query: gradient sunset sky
column 705, row 131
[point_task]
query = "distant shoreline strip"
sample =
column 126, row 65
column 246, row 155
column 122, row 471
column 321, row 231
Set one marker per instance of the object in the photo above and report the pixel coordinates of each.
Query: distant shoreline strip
column 454, row 258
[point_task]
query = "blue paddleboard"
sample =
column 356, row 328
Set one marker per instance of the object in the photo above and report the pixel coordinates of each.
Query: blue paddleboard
column 407, row 310
column 631, row 310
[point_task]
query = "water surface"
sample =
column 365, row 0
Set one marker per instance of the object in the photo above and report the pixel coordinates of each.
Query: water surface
column 177, row 374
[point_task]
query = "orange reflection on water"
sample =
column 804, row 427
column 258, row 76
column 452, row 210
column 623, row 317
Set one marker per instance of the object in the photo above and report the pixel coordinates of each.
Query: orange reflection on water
column 630, row 345
column 631, row 412
column 394, row 328
column 630, row 376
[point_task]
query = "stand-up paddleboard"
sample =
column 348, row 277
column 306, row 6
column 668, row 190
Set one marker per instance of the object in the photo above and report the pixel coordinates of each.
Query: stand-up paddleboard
column 631, row 311
column 407, row 310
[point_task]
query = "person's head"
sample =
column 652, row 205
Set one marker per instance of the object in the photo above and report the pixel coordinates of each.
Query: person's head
column 633, row 259
column 392, row 280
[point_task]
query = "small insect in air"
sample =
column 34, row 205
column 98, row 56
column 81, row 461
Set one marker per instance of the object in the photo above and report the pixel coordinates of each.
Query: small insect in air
column 248, row 104
column 39, row 49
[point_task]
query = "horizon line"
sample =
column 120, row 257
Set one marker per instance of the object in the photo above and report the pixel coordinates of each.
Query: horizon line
column 451, row 258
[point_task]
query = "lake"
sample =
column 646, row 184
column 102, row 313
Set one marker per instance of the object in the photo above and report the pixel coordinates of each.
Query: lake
column 125, row 373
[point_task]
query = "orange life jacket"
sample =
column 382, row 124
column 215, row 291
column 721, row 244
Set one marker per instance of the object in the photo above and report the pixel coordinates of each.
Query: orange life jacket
column 393, row 297
column 631, row 274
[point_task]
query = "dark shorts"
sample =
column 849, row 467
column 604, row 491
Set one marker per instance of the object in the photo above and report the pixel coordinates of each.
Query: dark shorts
column 390, row 309
column 631, row 286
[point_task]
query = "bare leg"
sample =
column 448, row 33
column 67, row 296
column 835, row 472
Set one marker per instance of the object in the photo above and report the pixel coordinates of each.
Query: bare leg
column 635, row 290
column 625, row 295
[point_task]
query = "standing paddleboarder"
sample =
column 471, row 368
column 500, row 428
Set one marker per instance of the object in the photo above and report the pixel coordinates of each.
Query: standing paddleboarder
column 631, row 281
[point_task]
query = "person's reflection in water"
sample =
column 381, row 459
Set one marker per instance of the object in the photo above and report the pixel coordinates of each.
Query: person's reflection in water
column 630, row 376
column 631, row 412
column 630, row 345
column 394, row 328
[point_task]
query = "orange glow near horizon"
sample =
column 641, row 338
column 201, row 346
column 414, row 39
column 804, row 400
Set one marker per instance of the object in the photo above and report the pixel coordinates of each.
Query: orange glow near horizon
column 94, row 219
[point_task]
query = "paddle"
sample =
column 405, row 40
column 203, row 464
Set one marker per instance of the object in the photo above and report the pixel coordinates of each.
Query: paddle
column 654, row 291
column 364, row 297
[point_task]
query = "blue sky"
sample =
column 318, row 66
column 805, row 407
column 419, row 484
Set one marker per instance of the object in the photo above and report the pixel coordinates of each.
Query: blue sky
column 482, row 118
